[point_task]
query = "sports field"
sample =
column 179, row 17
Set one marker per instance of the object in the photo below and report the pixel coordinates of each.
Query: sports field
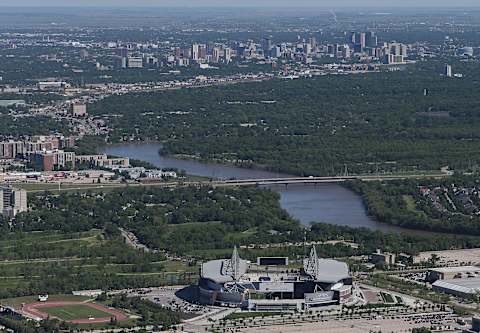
column 72, row 312
column 75, row 311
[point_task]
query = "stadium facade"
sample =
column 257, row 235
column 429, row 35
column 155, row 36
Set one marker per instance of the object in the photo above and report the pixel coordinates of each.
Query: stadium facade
column 236, row 282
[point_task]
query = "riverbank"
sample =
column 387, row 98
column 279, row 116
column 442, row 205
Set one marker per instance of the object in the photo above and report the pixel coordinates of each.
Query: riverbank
column 328, row 203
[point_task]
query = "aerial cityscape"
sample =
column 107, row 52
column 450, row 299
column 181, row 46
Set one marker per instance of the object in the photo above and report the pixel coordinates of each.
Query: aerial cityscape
column 226, row 166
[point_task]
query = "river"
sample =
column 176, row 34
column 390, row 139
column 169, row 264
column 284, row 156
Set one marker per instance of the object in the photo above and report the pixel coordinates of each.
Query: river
column 330, row 203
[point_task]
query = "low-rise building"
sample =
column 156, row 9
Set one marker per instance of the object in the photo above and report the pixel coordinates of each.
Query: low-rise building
column 159, row 174
column 11, row 102
column 448, row 273
column 383, row 258
column 135, row 62
column 52, row 85
column 49, row 160
column 102, row 160
column 465, row 288
column 79, row 110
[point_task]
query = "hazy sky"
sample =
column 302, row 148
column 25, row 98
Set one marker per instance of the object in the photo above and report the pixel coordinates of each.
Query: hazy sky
column 196, row 3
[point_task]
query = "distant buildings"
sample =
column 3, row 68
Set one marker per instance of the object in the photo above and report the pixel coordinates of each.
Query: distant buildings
column 63, row 160
column 383, row 258
column 396, row 53
column 135, row 62
column 49, row 160
column 228, row 55
column 12, row 149
column 11, row 102
column 449, row 273
column 361, row 41
column 466, row 51
column 464, row 288
column 142, row 173
column 79, row 110
column 12, row 201
column 195, row 52
column 448, row 71
column 363, row 46
column 102, row 160
column 52, row 85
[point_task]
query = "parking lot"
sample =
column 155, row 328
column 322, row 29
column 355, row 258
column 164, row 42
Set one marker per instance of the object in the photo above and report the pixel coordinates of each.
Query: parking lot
column 386, row 324
column 452, row 257
column 167, row 297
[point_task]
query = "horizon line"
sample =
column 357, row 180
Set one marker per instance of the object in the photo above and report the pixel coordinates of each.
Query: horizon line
column 305, row 6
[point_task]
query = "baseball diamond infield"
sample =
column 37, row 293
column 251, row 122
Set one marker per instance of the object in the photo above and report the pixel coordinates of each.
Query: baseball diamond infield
column 73, row 312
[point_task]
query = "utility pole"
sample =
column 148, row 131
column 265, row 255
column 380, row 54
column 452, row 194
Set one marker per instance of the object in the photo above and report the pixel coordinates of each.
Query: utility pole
column 305, row 243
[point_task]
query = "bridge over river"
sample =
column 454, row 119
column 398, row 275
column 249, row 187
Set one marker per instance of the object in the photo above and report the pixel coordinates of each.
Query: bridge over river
column 313, row 180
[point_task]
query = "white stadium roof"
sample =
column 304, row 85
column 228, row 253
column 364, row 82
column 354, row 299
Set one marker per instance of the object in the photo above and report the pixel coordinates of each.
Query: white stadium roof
column 215, row 270
column 331, row 271
column 325, row 270
column 229, row 270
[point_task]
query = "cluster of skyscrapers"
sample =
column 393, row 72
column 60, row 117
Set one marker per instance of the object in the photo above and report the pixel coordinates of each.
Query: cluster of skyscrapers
column 361, row 45
column 197, row 53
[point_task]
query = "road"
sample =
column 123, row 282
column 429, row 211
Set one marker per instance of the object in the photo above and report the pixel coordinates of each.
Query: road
column 248, row 182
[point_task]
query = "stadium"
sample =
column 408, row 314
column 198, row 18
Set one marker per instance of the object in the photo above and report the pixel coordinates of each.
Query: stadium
column 270, row 285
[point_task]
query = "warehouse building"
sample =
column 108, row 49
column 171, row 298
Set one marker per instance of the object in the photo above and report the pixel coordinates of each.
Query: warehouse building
column 274, row 286
column 456, row 272
column 465, row 288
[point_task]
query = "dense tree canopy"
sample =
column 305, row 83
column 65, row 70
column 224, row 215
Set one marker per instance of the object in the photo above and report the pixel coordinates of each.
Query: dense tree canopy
column 371, row 123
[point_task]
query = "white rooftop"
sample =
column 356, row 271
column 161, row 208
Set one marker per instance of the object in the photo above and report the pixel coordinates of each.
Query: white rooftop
column 215, row 270
column 467, row 286
column 456, row 269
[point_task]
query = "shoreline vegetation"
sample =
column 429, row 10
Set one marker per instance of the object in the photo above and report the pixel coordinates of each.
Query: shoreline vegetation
column 248, row 165
column 370, row 213
column 447, row 206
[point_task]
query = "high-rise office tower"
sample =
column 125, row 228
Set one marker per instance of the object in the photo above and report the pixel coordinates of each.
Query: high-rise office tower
column 202, row 51
column 195, row 52
column 277, row 52
column 307, row 49
column 216, row 54
column 371, row 39
column 448, row 71
column 363, row 40
column 228, row 55
column 396, row 53
column 178, row 52
column 351, row 37
column 267, row 45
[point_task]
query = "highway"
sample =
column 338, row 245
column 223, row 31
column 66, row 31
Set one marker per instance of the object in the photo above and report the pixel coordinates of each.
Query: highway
column 315, row 180
column 243, row 182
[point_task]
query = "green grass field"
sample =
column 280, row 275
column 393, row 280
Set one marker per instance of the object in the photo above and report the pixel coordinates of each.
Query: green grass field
column 75, row 311
column 18, row 301
column 28, row 259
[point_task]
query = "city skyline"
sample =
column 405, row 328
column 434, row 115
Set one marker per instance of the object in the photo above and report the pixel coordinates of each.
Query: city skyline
column 235, row 3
